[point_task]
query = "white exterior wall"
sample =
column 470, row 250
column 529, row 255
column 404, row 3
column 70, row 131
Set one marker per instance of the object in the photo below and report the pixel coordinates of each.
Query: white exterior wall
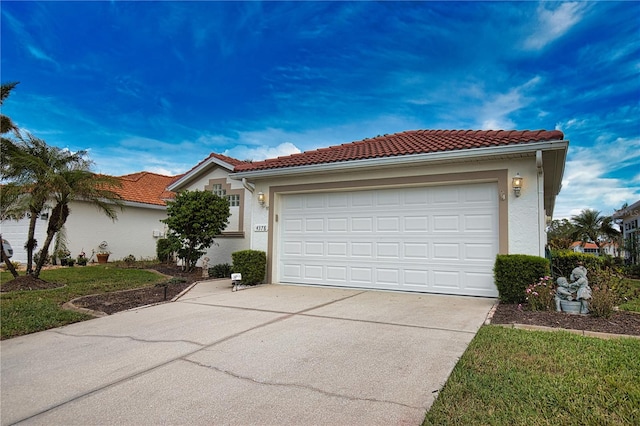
column 524, row 214
column 132, row 233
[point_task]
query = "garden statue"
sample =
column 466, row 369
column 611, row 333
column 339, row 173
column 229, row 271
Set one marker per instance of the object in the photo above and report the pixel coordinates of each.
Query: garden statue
column 205, row 267
column 577, row 292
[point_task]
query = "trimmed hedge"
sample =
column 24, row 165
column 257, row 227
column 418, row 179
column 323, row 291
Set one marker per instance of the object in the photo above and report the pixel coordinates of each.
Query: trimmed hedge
column 564, row 261
column 513, row 273
column 252, row 264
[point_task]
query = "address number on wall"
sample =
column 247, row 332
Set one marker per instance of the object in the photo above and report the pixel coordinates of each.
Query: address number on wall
column 261, row 228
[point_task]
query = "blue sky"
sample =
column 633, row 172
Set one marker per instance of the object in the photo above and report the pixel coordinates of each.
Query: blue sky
column 158, row 86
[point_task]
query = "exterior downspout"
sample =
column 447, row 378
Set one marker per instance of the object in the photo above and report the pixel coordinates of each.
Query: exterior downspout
column 250, row 187
column 542, row 215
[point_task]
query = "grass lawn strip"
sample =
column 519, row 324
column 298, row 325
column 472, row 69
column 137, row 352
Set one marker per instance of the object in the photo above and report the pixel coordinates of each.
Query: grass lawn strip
column 520, row 377
column 25, row 312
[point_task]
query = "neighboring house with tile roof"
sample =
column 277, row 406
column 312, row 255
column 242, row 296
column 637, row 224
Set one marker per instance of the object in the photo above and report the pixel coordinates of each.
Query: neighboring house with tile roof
column 423, row 210
column 135, row 232
column 608, row 248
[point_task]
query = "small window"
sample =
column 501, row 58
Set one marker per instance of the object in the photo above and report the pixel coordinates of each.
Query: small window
column 234, row 200
column 218, row 190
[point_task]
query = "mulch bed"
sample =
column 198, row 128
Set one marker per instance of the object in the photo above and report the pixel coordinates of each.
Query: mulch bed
column 28, row 282
column 620, row 322
column 117, row 301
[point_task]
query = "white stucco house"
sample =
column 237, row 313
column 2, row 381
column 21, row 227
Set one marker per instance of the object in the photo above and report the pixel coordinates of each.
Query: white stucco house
column 424, row 210
column 629, row 222
column 607, row 248
column 135, row 232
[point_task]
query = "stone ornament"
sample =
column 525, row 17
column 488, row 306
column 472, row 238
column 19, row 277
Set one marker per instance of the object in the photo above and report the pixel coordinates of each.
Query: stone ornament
column 573, row 296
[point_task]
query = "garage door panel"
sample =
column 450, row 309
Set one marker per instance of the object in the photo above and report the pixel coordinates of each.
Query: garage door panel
column 418, row 251
column 430, row 239
column 362, row 224
column 314, row 225
column 416, row 224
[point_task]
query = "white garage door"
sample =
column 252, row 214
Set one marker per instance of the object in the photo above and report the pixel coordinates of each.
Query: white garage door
column 440, row 239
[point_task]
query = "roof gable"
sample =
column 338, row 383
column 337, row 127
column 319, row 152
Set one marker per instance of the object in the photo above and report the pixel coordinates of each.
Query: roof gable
column 405, row 143
column 213, row 159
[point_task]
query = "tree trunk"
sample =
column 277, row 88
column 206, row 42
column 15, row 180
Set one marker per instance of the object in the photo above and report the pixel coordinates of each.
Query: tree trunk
column 43, row 253
column 58, row 217
column 7, row 261
column 31, row 242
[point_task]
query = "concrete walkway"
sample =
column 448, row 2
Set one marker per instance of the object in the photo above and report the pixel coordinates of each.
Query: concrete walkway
column 270, row 355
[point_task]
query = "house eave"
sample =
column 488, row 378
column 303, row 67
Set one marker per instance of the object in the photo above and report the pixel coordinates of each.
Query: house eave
column 474, row 154
column 203, row 167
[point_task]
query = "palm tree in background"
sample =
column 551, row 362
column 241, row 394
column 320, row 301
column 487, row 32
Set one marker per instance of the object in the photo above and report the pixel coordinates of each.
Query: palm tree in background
column 32, row 167
column 590, row 225
column 6, row 124
column 75, row 182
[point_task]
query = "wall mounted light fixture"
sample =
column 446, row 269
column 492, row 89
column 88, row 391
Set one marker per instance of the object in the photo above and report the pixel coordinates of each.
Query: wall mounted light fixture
column 516, row 184
column 261, row 198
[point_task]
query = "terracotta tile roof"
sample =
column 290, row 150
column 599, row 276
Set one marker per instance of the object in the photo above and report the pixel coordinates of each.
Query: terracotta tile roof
column 584, row 245
column 229, row 160
column 146, row 188
column 406, row 143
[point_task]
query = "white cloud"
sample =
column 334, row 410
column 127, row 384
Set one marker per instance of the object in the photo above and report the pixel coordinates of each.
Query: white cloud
column 494, row 114
column 262, row 152
column 588, row 184
column 553, row 21
column 39, row 54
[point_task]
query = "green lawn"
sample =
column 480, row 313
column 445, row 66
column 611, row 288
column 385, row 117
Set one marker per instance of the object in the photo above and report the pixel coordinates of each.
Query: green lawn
column 632, row 294
column 24, row 312
column 519, row 377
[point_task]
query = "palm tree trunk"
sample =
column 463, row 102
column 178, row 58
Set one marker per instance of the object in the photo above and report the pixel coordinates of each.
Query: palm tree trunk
column 58, row 217
column 43, row 253
column 31, row 242
column 7, row 261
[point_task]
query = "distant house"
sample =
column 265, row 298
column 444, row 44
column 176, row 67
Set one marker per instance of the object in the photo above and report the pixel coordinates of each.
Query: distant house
column 629, row 221
column 607, row 248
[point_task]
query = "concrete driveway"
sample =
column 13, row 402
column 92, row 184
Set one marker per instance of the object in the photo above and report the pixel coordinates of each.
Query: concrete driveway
column 270, row 355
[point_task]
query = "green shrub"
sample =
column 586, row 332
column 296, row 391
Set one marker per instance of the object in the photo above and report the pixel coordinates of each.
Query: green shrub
column 608, row 289
column 541, row 295
column 252, row 264
column 603, row 299
column 515, row 272
column 129, row 260
column 221, row 270
column 164, row 249
column 632, row 270
column 82, row 261
column 564, row 261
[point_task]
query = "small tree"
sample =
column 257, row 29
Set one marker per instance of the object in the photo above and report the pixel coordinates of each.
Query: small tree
column 194, row 219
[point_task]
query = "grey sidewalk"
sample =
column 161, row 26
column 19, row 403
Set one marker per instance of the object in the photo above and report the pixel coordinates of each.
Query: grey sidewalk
column 273, row 354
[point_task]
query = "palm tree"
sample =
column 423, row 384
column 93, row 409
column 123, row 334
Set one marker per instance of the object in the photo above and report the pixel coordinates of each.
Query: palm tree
column 6, row 124
column 77, row 182
column 32, row 165
column 590, row 225
column 10, row 209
